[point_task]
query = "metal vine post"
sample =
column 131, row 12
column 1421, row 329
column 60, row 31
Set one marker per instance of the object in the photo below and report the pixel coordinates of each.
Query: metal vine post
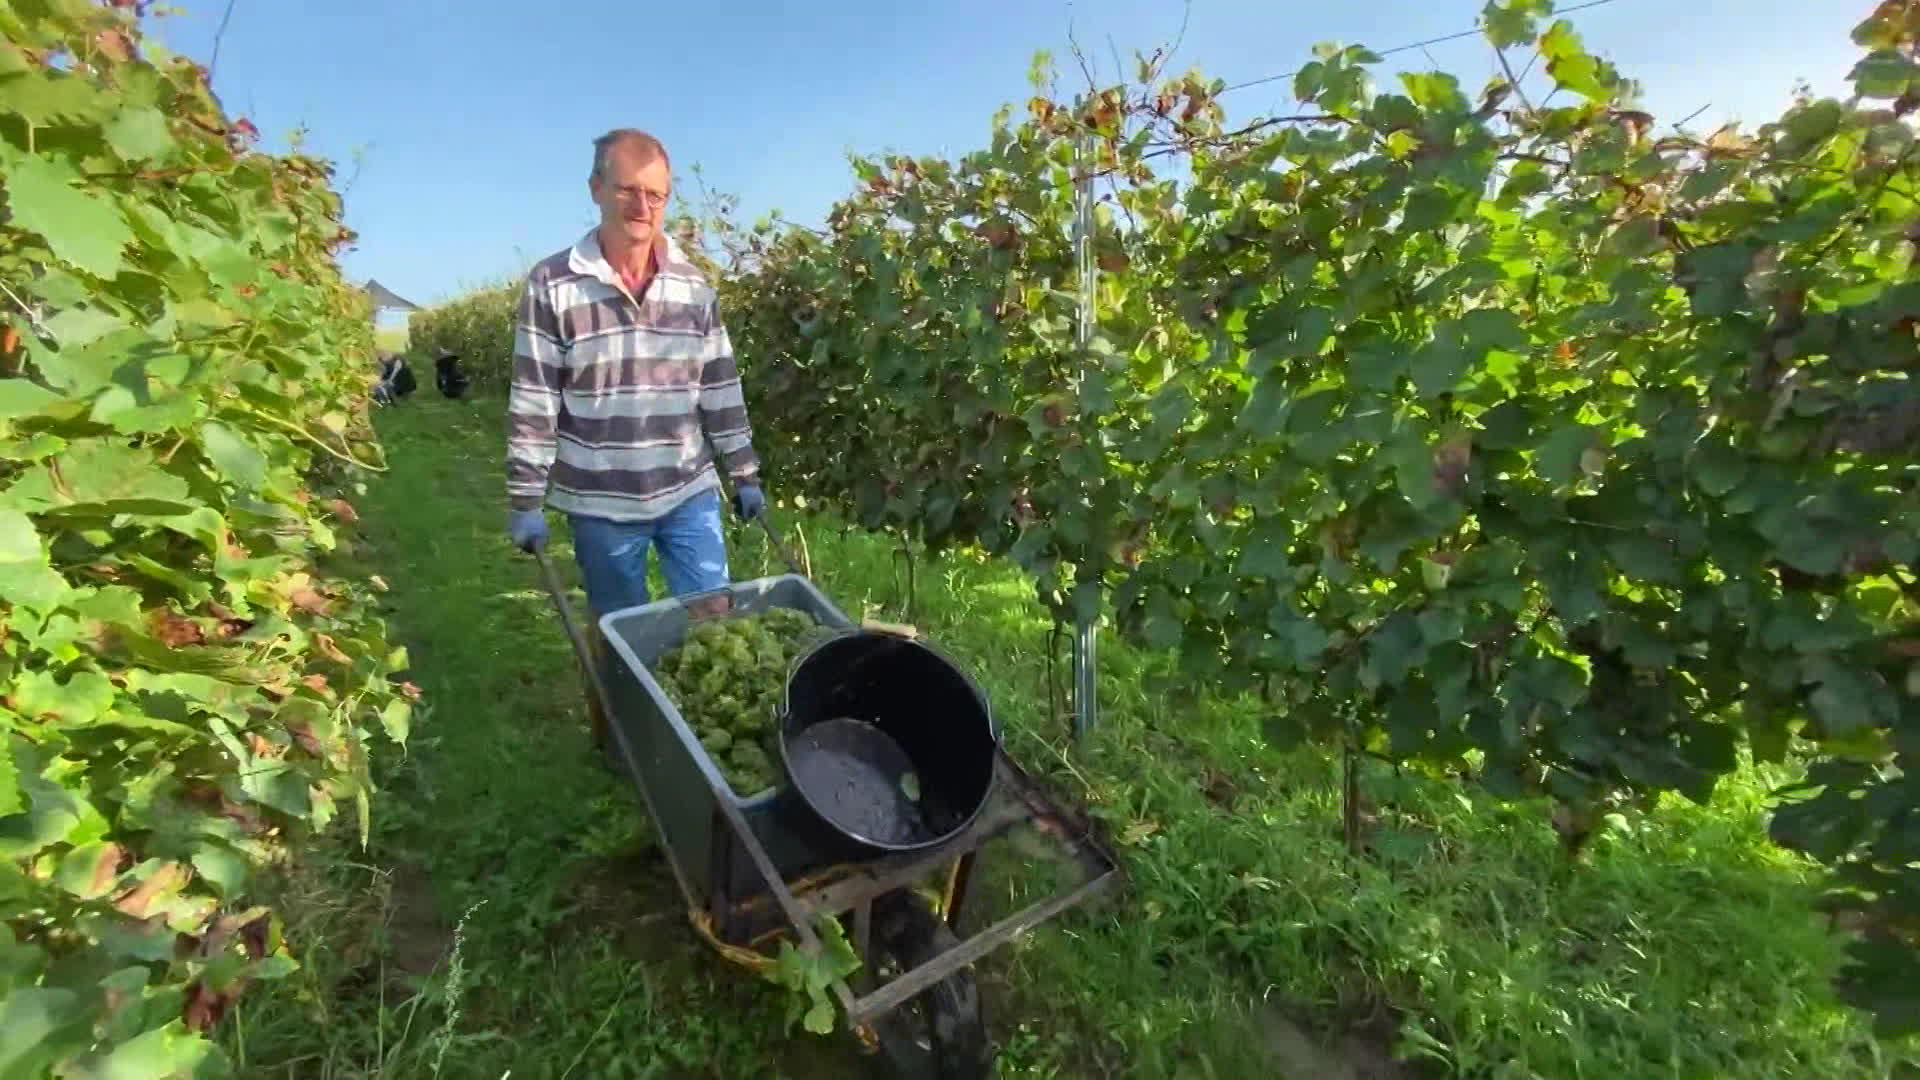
column 1085, row 697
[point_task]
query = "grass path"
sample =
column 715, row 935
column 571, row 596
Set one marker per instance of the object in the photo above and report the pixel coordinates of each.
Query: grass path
column 1245, row 942
column 572, row 949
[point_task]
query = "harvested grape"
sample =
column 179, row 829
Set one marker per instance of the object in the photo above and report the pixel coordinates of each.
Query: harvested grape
column 728, row 678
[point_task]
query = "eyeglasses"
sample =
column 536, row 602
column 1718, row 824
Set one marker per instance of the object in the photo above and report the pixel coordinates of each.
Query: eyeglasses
column 627, row 193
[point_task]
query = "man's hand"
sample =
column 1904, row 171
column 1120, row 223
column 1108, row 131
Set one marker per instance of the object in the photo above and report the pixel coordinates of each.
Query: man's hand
column 528, row 529
column 749, row 502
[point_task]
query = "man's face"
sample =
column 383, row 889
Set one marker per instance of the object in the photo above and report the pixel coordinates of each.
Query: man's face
column 631, row 192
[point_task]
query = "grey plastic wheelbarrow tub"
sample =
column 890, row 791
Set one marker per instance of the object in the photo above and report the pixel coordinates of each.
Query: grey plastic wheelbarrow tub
column 681, row 781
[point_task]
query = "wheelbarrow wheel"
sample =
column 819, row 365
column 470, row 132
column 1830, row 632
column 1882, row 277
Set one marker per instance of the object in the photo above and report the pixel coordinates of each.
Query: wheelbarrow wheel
column 939, row 1034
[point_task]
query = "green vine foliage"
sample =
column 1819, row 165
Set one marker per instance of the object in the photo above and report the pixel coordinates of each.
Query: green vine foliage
column 1523, row 439
column 184, row 692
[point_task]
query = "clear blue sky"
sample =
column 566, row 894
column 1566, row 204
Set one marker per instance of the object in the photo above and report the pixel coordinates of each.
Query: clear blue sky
column 476, row 118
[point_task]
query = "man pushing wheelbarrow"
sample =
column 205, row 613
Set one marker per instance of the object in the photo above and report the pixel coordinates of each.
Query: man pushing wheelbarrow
column 625, row 407
column 624, row 391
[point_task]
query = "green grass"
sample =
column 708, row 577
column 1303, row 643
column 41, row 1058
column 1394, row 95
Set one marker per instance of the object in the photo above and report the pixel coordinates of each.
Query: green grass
column 1244, row 943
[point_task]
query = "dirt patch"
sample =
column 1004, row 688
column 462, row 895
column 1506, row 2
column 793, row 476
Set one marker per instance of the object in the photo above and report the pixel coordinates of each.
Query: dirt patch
column 418, row 940
column 1219, row 788
column 1296, row 1050
column 633, row 895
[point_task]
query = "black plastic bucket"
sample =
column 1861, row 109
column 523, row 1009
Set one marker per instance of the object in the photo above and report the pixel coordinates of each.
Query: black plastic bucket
column 887, row 741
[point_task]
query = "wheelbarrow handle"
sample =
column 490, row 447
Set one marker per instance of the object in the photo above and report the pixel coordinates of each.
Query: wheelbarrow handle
column 779, row 546
column 557, row 592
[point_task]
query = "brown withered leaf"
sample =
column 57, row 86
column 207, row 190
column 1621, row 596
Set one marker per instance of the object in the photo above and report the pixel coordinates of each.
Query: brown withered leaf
column 309, row 601
column 204, row 792
column 205, row 1007
column 254, row 935
column 176, row 631
column 106, row 867
column 344, row 510
column 1636, row 123
column 169, row 877
column 325, row 643
column 1450, row 460
column 998, row 234
column 221, row 932
column 303, row 734
column 243, row 815
column 114, row 44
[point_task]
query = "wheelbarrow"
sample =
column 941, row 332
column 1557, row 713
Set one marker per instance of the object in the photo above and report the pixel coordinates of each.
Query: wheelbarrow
column 755, row 868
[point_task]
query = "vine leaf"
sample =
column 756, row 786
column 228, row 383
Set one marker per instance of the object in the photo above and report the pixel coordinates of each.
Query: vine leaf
column 97, row 476
column 233, row 455
column 19, row 398
column 223, row 867
column 1513, row 22
column 89, row 870
column 1573, row 67
column 169, row 1050
column 10, row 800
column 1559, row 458
column 79, row 700
column 83, row 228
column 77, row 326
column 148, row 752
column 25, row 577
column 139, row 133
column 1885, row 74
column 1719, row 468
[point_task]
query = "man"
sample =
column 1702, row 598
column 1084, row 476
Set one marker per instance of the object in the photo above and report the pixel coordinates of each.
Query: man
column 623, row 374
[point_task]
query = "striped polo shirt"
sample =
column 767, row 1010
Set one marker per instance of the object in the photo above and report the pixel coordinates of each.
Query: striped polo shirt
column 616, row 399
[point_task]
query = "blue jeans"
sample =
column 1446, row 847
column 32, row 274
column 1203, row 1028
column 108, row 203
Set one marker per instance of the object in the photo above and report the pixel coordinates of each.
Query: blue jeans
column 613, row 554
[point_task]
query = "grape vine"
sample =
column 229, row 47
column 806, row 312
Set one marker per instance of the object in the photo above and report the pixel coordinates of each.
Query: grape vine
column 1523, row 439
column 186, row 691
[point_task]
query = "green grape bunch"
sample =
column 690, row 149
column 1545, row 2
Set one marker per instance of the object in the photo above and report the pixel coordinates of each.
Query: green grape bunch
column 727, row 678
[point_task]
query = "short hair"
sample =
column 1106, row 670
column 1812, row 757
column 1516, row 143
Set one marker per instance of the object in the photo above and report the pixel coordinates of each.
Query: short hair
column 605, row 144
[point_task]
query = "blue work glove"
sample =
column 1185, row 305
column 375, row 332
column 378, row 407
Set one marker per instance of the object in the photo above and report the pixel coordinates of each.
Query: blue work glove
column 528, row 529
column 749, row 502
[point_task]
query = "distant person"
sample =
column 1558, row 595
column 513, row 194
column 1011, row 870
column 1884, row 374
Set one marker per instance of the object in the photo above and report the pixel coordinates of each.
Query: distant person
column 623, row 375
column 447, row 374
column 396, row 379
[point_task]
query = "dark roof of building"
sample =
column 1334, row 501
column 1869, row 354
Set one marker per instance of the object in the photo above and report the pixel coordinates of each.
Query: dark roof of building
column 384, row 297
